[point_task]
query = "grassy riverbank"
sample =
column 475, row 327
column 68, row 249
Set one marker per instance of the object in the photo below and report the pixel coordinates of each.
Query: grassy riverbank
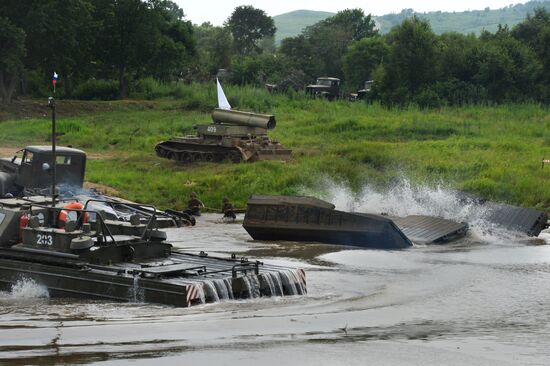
column 495, row 152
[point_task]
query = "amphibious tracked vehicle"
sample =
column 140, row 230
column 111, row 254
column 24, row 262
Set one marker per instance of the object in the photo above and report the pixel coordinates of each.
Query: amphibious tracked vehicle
column 233, row 136
column 82, row 254
column 72, row 246
column 81, row 244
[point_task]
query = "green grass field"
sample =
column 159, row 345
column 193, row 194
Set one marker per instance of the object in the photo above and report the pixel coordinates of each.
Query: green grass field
column 495, row 152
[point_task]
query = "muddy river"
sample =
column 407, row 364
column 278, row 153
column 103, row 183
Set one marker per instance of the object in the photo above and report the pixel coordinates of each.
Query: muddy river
column 484, row 300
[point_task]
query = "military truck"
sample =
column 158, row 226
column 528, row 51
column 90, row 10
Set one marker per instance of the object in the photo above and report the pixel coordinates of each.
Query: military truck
column 283, row 86
column 362, row 93
column 232, row 136
column 325, row 87
column 294, row 79
column 30, row 169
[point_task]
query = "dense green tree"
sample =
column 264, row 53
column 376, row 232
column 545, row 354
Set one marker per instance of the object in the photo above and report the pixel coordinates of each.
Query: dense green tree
column 173, row 41
column 60, row 37
column 323, row 45
column 353, row 22
column 458, row 64
column 128, row 40
column 125, row 41
column 362, row 58
column 214, row 45
column 139, row 38
column 458, row 56
column 249, row 26
column 535, row 32
column 411, row 63
column 508, row 69
column 12, row 52
column 264, row 68
column 300, row 51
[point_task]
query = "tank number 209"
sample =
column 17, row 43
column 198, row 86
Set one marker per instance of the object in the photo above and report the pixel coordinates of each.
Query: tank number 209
column 211, row 128
column 44, row 239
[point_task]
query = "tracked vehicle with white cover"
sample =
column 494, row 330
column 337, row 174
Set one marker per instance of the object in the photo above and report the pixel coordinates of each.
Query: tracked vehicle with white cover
column 233, row 136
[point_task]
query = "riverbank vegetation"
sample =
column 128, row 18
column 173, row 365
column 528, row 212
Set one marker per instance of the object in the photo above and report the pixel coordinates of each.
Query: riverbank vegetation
column 104, row 50
column 492, row 151
column 468, row 111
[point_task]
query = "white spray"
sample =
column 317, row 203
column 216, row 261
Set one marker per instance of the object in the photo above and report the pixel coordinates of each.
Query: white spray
column 404, row 199
column 28, row 289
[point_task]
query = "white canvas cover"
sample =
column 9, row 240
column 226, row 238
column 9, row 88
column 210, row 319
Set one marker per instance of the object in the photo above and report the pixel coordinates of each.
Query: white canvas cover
column 222, row 100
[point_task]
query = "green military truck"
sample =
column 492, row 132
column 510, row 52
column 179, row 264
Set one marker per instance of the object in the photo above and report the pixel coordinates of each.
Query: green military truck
column 325, row 87
column 30, row 168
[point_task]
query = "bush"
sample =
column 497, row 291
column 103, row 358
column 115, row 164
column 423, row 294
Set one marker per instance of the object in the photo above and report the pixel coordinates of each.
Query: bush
column 427, row 98
column 97, row 90
column 149, row 88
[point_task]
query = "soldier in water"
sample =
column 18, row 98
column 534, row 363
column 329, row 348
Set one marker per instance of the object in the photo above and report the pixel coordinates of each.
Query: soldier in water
column 194, row 205
column 228, row 210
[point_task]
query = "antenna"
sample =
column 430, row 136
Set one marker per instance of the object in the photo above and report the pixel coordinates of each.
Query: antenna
column 51, row 104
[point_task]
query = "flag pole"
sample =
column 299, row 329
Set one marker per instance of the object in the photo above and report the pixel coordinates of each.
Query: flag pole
column 51, row 104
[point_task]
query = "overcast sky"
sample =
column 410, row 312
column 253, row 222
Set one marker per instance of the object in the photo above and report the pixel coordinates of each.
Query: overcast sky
column 216, row 12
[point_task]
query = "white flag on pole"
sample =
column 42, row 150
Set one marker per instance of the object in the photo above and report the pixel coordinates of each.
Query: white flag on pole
column 222, row 100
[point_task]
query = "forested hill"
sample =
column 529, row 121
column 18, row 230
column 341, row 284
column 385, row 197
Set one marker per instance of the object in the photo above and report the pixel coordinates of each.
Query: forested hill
column 473, row 21
column 291, row 24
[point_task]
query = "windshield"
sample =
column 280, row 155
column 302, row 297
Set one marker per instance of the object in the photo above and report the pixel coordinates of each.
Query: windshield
column 63, row 160
column 324, row 82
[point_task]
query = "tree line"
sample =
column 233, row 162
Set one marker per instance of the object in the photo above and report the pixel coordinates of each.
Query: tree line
column 83, row 39
column 114, row 44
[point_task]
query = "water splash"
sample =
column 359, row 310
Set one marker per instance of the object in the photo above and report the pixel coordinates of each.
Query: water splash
column 210, row 291
column 229, row 287
column 267, row 279
column 223, row 289
column 135, row 293
column 289, row 282
column 277, row 283
column 252, row 284
column 28, row 289
column 404, row 199
column 201, row 292
column 545, row 235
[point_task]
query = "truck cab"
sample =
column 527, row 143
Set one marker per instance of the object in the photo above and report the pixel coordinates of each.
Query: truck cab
column 31, row 168
column 327, row 87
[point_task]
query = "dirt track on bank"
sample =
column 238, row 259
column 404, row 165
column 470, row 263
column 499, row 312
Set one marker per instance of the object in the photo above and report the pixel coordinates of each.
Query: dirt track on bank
column 7, row 151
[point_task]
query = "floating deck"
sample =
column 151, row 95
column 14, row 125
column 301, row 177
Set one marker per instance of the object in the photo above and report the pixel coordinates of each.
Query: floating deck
column 525, row 220
column 310, row 219
column 430, row 230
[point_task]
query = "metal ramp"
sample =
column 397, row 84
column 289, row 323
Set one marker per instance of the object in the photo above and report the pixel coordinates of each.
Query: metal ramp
column 525, row 220
column 430, row 230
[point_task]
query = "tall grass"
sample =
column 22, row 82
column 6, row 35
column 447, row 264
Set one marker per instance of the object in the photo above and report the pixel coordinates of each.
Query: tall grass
column 492, row 151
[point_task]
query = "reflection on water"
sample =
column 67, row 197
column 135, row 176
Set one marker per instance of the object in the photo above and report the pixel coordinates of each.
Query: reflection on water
column 470, row 303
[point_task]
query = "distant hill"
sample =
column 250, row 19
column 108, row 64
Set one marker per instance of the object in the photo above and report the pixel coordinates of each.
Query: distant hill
column 473, row 21
column 291, row 24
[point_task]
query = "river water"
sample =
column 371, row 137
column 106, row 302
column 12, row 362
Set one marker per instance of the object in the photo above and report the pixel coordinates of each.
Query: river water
column 484, row 300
